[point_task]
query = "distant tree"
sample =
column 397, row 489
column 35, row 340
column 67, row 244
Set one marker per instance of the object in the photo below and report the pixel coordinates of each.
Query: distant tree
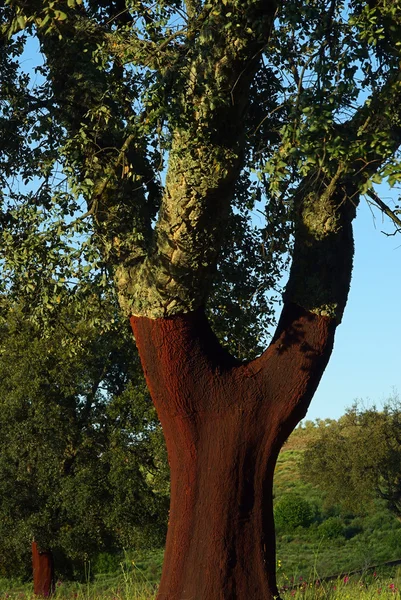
column 358, row 458
column 79, row 446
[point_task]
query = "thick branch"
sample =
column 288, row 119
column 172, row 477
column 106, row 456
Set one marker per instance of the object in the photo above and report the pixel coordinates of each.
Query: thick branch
column 325, row 207
column 323, row 251
column 209, row 98
column 94, row 109
column 297, row 356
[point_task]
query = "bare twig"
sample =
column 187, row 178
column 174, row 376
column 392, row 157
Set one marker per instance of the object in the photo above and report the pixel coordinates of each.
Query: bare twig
column 384, row 208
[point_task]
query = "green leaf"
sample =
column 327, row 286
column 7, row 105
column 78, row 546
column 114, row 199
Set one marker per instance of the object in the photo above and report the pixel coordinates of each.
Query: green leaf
column 59, row 15
column 376, row 178
column 21, row 20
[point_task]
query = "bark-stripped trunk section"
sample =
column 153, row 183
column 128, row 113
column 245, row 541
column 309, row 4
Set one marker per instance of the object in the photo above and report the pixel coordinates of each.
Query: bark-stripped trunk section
column 43, row 572
column 224, row 424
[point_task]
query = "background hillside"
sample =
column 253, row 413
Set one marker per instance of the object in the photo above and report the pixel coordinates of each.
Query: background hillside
column 334, row 540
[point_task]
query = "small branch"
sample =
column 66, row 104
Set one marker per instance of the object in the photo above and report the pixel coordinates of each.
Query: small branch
column 268, row 116
column 329, row 20
column 124, row 12
column 144, row 52
column 90, row 212
column 302, row 75
column 100, row 188
column 371, row 118
column 384, row 208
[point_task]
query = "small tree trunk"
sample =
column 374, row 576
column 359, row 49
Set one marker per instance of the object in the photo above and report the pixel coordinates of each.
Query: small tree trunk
column 224, row 423
column 43, row 572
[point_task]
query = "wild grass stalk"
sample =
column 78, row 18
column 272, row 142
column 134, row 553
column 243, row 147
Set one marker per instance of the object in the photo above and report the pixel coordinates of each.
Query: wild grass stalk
column 132, row 584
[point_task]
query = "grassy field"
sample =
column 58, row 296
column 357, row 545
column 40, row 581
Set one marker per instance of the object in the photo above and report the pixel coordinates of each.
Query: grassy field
column 138, row 580
column 362, row 539
column 129, row 587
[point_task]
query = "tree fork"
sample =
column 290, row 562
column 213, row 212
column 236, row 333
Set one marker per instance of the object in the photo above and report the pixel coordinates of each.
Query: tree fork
column 224, row 422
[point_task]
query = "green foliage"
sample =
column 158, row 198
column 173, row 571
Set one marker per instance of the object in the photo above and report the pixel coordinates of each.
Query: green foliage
column 100, row 117
column 80, row 445
column 357, row 458
column 91, row 132
column 332, row 54
column 331, row 528
column 292, row 511
column 367, row 539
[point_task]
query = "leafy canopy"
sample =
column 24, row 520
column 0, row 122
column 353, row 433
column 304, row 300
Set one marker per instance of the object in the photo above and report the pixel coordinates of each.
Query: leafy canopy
column 357, row 459
column 128, row 89
column 81, row 446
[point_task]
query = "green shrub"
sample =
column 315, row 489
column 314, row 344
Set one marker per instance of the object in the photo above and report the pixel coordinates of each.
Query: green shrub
column 332, row 528
column 106, row 562
column 292, row 511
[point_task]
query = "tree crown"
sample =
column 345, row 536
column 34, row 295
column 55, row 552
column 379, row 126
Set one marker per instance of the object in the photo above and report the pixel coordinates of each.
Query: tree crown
column 152, row 132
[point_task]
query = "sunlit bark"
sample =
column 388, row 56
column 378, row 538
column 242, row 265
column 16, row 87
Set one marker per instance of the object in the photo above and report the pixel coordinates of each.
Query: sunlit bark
column 224, row 424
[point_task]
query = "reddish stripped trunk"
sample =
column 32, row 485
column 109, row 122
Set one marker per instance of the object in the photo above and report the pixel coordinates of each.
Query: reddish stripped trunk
column 43, row 572
column 224, row 424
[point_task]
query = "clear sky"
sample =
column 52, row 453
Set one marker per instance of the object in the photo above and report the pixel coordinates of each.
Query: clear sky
column 366, row 361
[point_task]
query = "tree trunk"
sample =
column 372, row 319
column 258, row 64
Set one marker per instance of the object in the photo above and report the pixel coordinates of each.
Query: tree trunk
column 224, row 424
column 43, row 572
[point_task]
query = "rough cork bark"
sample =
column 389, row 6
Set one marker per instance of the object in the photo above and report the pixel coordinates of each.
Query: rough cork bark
column 224, row 424
column 43, row 572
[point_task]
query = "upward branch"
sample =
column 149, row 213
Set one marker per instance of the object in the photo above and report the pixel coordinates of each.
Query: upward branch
column 325, row 207
column 209, row 95
column 326, row 200
column 322, row 261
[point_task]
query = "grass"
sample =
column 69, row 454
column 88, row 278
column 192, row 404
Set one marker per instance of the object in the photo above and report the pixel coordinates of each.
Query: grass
column 127, row 587
column 385, row 583
column 136, row 579
column 138, row 576
column 107, row 587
